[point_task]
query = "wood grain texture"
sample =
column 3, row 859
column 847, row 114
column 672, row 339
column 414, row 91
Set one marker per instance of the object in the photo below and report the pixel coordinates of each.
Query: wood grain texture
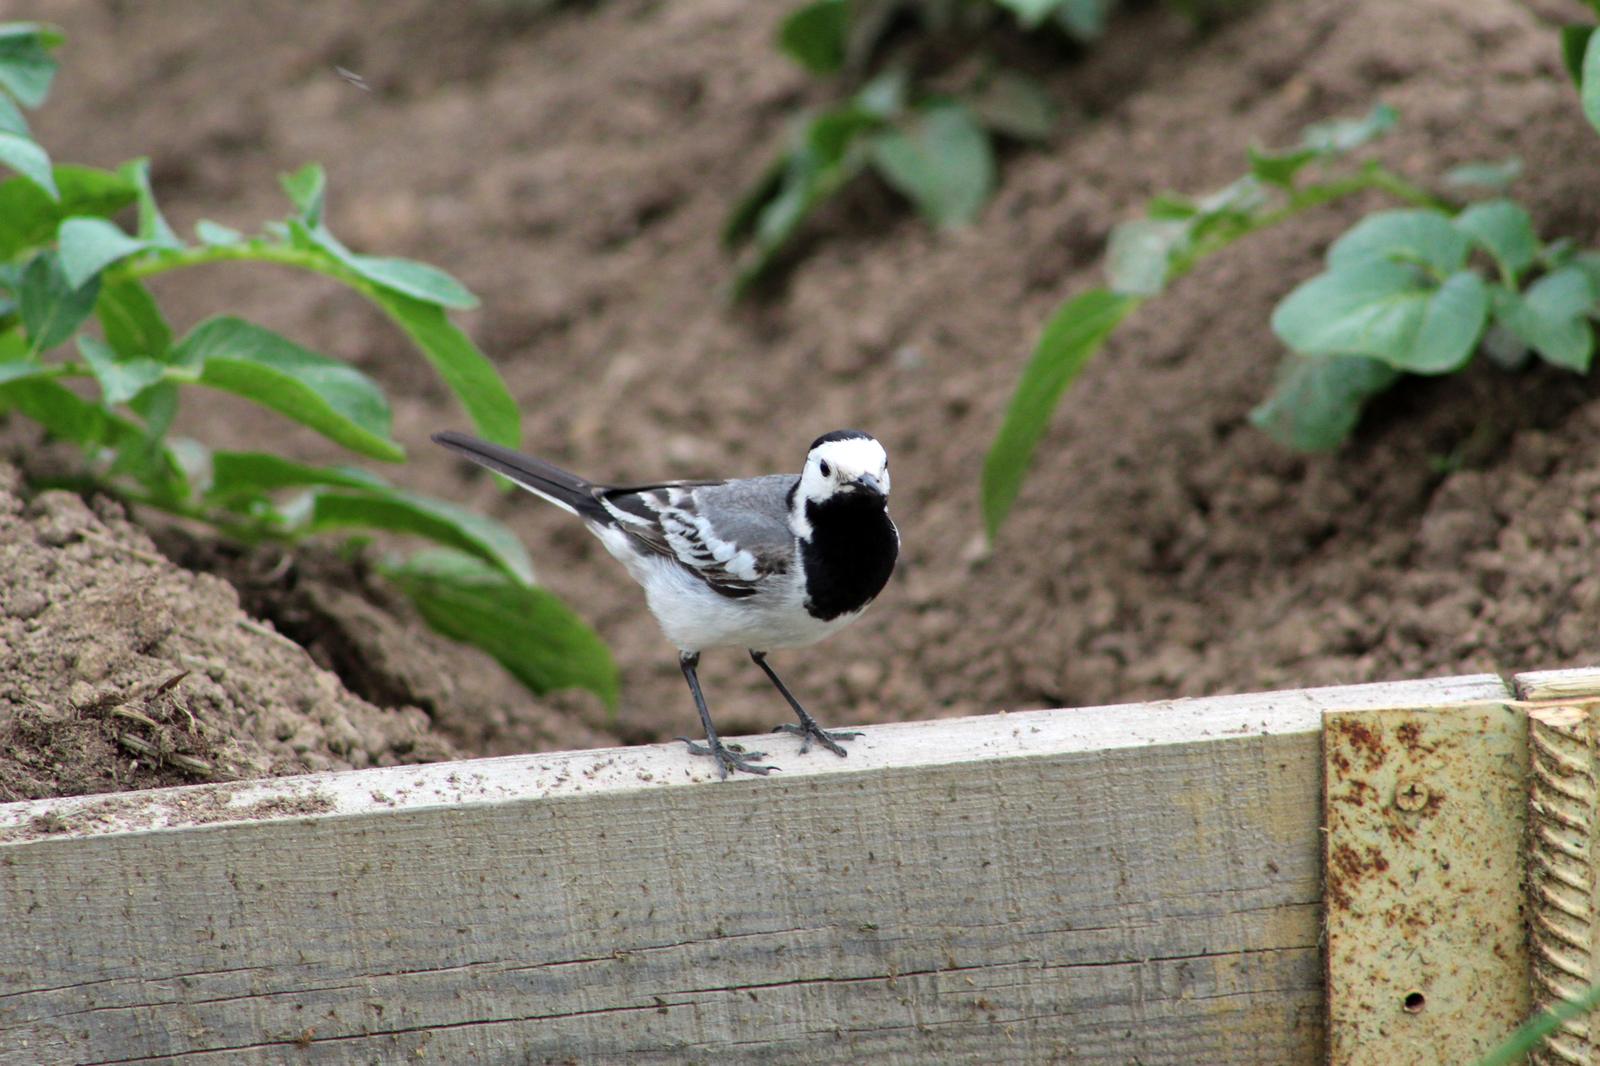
column 1103, row 885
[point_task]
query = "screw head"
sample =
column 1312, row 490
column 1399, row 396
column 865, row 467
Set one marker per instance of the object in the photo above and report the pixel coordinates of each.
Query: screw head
column 1410, row 795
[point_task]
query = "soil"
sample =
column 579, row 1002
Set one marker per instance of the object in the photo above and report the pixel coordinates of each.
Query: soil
column 573, row 165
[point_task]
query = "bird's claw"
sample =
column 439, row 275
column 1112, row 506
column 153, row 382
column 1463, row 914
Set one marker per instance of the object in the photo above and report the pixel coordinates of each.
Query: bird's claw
column 728, row 759
column 811, row 731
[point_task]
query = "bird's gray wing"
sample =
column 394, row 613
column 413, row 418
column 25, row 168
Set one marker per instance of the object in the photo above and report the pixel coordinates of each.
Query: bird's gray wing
column 731, row 534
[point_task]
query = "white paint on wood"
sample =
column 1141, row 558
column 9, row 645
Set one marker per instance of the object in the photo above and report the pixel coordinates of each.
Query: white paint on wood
column 902, row 745
column 1576, row 684
column 1096, row 886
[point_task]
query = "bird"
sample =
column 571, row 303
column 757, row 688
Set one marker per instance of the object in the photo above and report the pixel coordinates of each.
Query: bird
column 764, row 563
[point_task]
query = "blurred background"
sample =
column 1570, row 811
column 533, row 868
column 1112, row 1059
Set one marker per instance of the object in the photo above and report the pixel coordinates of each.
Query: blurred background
column 575, row 165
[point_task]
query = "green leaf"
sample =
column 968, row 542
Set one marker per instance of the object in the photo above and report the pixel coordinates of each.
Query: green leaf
column 741, row 221
column 51, row 308
column 1371, row 308
column 399, row 511
column 1340, row 135
column 89, row 245
column 15, row 369
column 940, row 160
column 66, row 415
column 1589, row 90
column 158, row 406
column 884, row 97
column 306, row 189
column 814, row 35
column 1073, row 334
column 1083, row 19
column 1504, row 348
column 323, row 394
column 463, row 368
column 119, row 381
column 28, row 217
column 1452, row 322
column 26, row 68
column 1139, row 254
column 1574, row 44
column 532, row 633
column 1381, row 309
column 1552, row 317
column 241, row 475
column 1016, row 105
column 1280, row 168
column 824, row 152
column 132, row 322
column 11, row 119
column 1316, row 401
column 152, row 225
column 217, row 236
column 1504, row 230
column 18, row 152
column 1409, row 236
column 416, row 280
column 87, row 191
column 1486, row 175
column 832, row 134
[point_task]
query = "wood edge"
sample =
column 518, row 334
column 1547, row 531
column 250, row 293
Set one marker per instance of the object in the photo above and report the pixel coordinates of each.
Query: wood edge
column 1580, row 683
column 573, row 775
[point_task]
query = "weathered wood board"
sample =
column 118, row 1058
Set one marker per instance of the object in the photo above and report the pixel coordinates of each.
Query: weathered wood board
column 1106, row 885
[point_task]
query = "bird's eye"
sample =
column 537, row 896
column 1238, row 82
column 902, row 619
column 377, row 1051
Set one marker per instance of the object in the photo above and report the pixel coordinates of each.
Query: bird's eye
column 827, row 471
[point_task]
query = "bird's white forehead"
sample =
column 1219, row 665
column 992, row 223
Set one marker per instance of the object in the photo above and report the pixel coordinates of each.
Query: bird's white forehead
column 853, row 456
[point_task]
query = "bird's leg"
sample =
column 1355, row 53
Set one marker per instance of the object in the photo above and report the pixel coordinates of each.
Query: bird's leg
column 726, row 760
column 808, row 729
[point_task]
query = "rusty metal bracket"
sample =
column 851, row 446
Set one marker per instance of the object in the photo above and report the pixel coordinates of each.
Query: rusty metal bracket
column 1563, row 916
column 1427, row 955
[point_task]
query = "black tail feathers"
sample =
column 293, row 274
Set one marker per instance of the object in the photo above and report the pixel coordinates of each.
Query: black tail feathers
column 565, row 490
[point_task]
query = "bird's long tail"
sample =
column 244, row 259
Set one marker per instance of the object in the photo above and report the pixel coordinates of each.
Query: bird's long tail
column 567, row 491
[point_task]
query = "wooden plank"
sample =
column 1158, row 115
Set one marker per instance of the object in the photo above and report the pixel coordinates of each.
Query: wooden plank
column 1577, row 684
column 1097, row 886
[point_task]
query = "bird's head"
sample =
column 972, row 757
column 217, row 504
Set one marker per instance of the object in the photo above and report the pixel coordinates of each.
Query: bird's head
column 844, row 464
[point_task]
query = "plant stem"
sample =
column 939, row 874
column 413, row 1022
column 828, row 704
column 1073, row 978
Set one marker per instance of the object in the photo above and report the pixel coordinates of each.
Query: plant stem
column 258, row 251
column 1372, row 176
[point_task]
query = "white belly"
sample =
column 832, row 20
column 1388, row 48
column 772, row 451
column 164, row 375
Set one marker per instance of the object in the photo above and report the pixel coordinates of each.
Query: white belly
column 694, row 617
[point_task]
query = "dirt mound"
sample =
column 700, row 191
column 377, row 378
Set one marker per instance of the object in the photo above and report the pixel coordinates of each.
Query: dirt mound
column 574, row 169
column 120, row 670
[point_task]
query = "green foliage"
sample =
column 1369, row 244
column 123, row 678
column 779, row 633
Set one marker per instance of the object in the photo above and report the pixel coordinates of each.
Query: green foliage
column 1073, row 335
column 1405, row 291
column 1531, row 1035
column 527, row 629
column 934, row 148
column 814, row 35
column 1144, row 255
column 67, row 268
column 1401, row 291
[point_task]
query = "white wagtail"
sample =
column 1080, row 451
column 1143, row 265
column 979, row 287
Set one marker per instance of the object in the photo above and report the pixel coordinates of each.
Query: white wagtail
column 762, row 563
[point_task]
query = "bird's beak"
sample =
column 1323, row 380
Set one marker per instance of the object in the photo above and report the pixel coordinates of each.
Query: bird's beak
column 872, row 484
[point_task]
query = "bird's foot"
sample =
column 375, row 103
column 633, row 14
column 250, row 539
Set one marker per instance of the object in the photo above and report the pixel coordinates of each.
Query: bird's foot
column 809, row 730
column 729, row 758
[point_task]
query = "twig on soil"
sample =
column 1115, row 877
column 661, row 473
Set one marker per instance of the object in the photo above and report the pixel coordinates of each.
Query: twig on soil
column 135, row 716
column 150, row 751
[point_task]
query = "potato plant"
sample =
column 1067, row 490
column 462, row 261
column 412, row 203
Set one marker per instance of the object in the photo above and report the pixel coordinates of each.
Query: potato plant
column 1143, row 255
column 934, row 148
column 1417, row 290
column 72, row 282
